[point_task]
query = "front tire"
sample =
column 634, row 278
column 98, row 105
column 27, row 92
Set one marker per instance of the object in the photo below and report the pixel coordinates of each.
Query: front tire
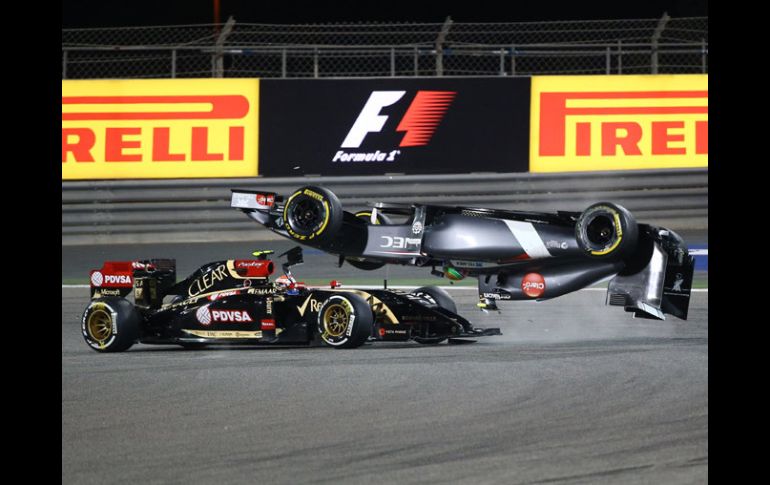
column 606, row 231
column 345, row 321
column 312, row 215
column 110, row 324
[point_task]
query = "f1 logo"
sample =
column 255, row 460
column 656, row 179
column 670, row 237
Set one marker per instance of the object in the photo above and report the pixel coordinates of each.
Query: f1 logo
column 419, row 121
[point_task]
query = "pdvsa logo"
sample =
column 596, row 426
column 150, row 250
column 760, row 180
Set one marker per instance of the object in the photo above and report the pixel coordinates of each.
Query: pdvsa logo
column 419, row 123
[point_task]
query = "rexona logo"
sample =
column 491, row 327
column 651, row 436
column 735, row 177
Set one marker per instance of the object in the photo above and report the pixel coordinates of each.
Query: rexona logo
column 619, row 122
column 159, row 128
column 418, row 124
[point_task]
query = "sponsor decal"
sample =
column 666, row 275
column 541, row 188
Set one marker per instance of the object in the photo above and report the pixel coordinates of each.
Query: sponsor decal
column 260, row 291
column 417, row 227
column 556, row 245
column 228, row 333
column 113, row 292
column 496, row 296
column 677, row 286
column 583, row 123
column 420, row 121
column 471, row 264
column 266, row 200
column 533, row 285
column 350, row 324
column 269, row 306
column 268, row 324
column 398, row 242
column 203, row 315
column 207, row 280
column 170, row 128
column 314, row 304
column 97, row 278
column 121, row 279
column 206, row 316
column 230, row 316
column 217, row 296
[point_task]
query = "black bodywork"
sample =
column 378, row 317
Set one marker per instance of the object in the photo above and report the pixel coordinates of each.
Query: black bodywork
column 515, row 255
column 220, row 304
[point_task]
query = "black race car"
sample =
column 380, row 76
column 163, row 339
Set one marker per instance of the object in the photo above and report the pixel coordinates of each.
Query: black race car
column 515, row 255
column 234, row 302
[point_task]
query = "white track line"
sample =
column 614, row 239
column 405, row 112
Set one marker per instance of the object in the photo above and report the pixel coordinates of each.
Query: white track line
column 402, row 287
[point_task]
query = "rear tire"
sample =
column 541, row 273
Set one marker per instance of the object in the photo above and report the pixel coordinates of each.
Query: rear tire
column 345, row 321
column 312, row 215
column 606, row 231
column 110, row 324
column 363, row 263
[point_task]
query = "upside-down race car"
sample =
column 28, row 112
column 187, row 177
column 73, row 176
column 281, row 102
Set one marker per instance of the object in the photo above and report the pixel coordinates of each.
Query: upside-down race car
column 234, row 302
column 515, row 255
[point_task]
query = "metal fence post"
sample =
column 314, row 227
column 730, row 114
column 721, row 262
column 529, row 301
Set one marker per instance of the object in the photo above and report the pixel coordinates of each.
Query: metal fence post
column 502, row 61
column 416, row 63
column 392, row 62
column 513, row 60
column 703, row 51
column 655, row 38
column 283, row 62
column 440, row 46
column 173, row 63
column 620, row 57
column 608, row 60
column 315, row 62
column 64, row 64
column 218, row 60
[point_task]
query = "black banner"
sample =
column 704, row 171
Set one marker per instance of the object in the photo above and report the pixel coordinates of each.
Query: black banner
column 378, row 126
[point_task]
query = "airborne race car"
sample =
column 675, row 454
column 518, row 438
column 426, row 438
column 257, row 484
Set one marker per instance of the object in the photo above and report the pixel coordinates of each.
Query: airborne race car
column 515, row 255
column 234, row 302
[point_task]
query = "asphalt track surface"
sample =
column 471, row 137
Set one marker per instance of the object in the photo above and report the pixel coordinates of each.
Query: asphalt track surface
column 573, row 392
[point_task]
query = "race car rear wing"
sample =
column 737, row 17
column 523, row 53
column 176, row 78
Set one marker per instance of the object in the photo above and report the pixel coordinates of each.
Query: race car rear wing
column 663, row 286
column 118, row 278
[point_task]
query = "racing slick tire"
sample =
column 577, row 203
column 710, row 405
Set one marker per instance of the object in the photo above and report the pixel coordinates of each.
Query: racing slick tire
column 312, row 215
column 110, row 324
column 606, row 231
column 442, row 299
column 363, row 263
column 345, row 321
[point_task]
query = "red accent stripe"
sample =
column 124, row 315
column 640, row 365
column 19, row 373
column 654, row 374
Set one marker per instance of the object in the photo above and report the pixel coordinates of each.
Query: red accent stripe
column 423, row 116
column 222, row 107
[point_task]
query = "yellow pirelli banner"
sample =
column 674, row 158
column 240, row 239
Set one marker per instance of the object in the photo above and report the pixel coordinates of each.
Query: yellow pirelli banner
column 618, row 122
column 169, row 128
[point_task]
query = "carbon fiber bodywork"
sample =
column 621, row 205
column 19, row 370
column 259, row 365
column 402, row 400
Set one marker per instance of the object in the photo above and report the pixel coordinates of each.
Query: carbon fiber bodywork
column 216, row 305
column 515, row 255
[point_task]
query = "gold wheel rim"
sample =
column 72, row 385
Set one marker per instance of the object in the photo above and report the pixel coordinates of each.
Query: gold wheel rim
column 99, row 325
column 335, row 320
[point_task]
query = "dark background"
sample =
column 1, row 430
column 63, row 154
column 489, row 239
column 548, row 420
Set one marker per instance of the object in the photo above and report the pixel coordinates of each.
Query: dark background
column 485, row 128
column 104, row 13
